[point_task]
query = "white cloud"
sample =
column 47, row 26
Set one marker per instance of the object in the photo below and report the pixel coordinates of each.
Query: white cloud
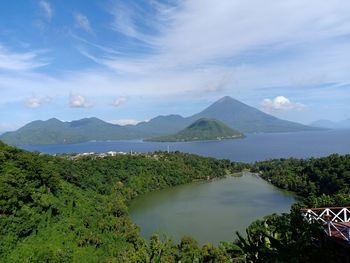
column 46, row 8
column 125, row 122
column 83, row 22
column 198, row 32
column 16, row 61
column 78, row 101
column 256, row 44
column 125, row 20
column 260, row 44
column 36, row 102
column 119, row 101
column 280, row 103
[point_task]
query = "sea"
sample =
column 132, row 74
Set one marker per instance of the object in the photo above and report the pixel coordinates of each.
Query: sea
column 255, row 147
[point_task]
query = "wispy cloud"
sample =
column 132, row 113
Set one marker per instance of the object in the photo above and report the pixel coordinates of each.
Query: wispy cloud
column 106, row 49
column 191, row 49
column 131, row 20
column 82, row 22
column 119, row 101
column 47, row 9
column 20, row 61
column 198, row 33
column 280, row 103
column 259, row 45
column 79, row 101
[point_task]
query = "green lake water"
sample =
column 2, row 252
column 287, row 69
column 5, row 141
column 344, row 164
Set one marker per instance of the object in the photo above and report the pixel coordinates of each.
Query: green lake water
column 209, row 211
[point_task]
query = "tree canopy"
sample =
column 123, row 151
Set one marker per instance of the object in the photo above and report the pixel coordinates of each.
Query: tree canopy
column 59, row 209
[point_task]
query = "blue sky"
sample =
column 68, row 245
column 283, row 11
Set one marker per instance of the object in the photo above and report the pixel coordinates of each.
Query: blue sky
column 127, row 61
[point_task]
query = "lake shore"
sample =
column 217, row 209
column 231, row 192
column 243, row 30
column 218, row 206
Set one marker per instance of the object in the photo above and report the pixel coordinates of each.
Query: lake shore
column 206, row 210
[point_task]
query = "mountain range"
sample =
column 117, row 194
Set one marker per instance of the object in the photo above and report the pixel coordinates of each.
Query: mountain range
column 202, row 129
column 344, row 124
column 233, row 113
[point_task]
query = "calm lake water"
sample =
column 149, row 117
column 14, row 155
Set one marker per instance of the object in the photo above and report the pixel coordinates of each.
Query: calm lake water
column 255, row 147
column 209, row 211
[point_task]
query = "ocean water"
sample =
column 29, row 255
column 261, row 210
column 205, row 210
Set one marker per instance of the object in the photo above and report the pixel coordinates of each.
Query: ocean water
column 255, row 147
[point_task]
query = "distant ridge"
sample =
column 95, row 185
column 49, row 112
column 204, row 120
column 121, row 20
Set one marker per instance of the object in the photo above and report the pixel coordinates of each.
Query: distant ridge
column 231, row 112
column 344, row 124
column 202, row 129
column 161, row 125
column 54, row 131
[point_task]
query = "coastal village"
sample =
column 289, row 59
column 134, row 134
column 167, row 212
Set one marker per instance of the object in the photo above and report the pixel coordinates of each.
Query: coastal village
column 101, row 154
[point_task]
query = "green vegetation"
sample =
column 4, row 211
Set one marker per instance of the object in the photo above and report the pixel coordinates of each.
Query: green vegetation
column 288, row 238
column 53, row 209
column 201, row 130
column 323, row 181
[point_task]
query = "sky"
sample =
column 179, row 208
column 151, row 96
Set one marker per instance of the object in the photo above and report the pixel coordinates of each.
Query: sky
column 129, row 61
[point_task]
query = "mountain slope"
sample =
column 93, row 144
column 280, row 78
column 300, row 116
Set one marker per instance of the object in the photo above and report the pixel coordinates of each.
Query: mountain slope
column 202, row 129
column 160, row 125
column 323, row 124
column 344, row 124
column 230, row 111
column 246, row 118
column 54, row 131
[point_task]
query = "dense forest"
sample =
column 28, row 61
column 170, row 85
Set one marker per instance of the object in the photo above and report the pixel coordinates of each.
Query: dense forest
column 322, row 181
column 53, row 209
column 59, row 209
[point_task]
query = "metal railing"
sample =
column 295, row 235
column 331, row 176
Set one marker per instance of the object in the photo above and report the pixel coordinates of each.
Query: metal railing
column 336, row 220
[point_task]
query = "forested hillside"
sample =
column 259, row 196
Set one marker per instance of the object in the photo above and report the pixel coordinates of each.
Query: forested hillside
column 57, row 210
column 54, row 209
column 323, row 181
column 288, row 238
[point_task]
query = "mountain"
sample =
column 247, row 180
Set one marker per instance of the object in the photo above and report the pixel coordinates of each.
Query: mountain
column 233, row 113
column 54, row 131
column 344, row 124
column 323, row 124
column 200, row 130
column 161, row 125
column 246, row 118
column 230, row 111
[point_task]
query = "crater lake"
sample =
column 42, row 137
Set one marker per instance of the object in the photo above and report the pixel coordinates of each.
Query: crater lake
column 209, row 211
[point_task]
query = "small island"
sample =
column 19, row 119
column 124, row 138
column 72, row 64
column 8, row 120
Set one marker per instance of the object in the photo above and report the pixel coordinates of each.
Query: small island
column 201, row 130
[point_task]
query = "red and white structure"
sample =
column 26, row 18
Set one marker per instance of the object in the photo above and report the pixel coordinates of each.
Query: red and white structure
column 336, row 220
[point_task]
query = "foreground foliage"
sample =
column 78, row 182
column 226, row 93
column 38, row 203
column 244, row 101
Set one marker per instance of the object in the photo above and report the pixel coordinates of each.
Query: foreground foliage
column 323, row 181
column 54, row 209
